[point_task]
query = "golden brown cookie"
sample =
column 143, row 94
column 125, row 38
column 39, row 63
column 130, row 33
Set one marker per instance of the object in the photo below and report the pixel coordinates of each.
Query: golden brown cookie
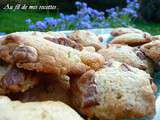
column 50, row 87
column 115, row 92
column 89, row 49
column 132, row 39
column 122, row 30
column 156, row 37
column 47, row 110
column 66, row 42
column 51, row 34
column 56, row 34
column 56, row 37
column 92, row 59
column 37, row 54
column 152, row 50
column 128, row 55
column 86, row 38
column 14, row 80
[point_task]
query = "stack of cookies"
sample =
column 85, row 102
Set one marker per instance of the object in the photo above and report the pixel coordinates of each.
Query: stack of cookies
column 106, row 82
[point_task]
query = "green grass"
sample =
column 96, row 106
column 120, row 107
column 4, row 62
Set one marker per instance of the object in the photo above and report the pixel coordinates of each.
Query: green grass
column 153, row 28
column 12, row 21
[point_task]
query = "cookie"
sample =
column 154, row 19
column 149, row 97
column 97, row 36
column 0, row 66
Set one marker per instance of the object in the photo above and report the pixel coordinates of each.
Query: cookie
column 14, row 80
column 132, row 39
column 86, row 38
column 89, row 49
column 157, row 37
column 122, row 30
column 37, row 54
column 152, row 50
column 47, row 110
column 92, row 59
column 59, row 38
column 115, row 92
column 56, row 34
column 50, row 87
column 128, row 55
column 56, row 37
column 66, row 42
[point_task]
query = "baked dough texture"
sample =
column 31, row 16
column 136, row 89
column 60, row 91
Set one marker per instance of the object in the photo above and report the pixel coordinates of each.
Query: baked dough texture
column 59, row 38
column 156, row 37
column 55, row 88
column 45, row 34
column 152, row 50
column 128, row 55
column 89, row 49
column 115, row 92
column 37, row 54
column 48, row 110
column 14, row 80
column 86, row 38
column 122, row 30
column 132, row 39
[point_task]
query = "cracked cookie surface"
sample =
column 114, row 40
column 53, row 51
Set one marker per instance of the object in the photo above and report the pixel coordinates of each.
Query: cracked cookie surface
column 37, row 54
column 118, row 91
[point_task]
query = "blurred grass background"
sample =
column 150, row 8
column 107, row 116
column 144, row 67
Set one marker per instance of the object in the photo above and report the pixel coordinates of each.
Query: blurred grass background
column 11, row 21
